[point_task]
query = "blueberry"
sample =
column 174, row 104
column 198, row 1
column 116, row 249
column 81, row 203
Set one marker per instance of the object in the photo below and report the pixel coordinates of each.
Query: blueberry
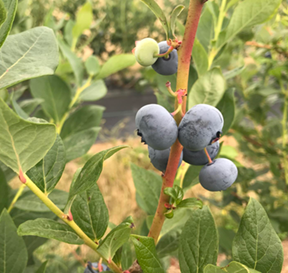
column 166, row 66
column 268, row 55
column 90, row 266
column 200, row 126
column 145, row 51
column 156, row 126
column 199, row 157
column 159, row 159
column 219, row 175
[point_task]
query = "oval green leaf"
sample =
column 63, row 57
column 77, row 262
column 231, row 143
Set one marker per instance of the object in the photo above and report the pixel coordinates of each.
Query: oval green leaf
column 256, row 243
column 22, row 56
column 25, row 150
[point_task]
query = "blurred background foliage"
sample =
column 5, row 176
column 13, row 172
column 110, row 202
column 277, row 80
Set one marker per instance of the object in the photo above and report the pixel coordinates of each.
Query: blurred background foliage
column 258, row 59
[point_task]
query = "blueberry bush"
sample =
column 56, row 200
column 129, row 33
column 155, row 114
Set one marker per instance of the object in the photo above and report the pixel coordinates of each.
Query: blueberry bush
column 39, row 136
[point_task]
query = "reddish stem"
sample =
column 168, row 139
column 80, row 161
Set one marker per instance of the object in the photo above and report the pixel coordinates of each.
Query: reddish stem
column 184, row 58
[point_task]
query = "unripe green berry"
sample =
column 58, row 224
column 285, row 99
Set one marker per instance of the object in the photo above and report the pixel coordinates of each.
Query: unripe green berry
column 145, row 51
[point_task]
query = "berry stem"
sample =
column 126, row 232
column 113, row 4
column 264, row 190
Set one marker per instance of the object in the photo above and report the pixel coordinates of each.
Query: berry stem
column 208, row 156
column 184, row 59
column 171, row 48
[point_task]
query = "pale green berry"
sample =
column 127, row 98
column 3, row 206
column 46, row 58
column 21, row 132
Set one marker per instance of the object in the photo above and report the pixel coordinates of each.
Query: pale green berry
column 145, row 51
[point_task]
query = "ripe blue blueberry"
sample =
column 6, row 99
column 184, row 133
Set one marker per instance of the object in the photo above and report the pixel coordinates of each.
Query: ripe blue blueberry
column 199, row 157
column 145, row 51
column 90, row 268
column 219, row 175
column 169, row 65
column 156, row 126
column 200, row 126
column 159, row 159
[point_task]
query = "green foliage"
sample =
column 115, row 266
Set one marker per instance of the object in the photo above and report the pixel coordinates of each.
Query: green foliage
column 30, row 202
column 208, row 89
column 55, row 93
column 245, row 94
column 50, row 229
column 115, row 239
column 90, row 213
column 256, row 244
column 148, row 186
column 230, row 268
column 39, row 135
column 115, row 64
column 3, row 13
column 197, row 246
column 10, row 7
column 12, row 247
column 227, row 107
column 47, row 172
column 91, row 171
column 146, row 254
column 24, row 52
column 4, row 191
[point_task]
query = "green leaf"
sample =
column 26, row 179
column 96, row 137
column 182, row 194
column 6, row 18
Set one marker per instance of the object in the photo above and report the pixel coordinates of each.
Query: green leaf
column 198, row 242
column 90, row 213
column 154, row 7
column 3, row 13
column 13, row 253
column 80, row 130
column 233, row 267
column 50, row 229
column 80, row 143
column 168, row 243
column 191, row 177
column 205, row 30
column 146, row 254
column 55, row 93
column 68, row 32
column 83, row 118
column 191, row 203
column 84, row 19
column 208, row 89
column 74, row 61
column 29, row 201
column 256, row 243
column 23, row 151
column 174, row 14
column 246, row 15
column 235, row 72
column 176, row 223
column 148, row 187
column 4, row 192
column 210, row 268
column 22, row 56
column 11, row 8
column 96, row 91
column 92, row 66
column 48, row 171
column 91, row 171
column 227, row 107
column 115, row 64
column 42, row 268
column 18, row 110
column 200, row 58
column 115, row 239
column 127, row 256
column 30, row 105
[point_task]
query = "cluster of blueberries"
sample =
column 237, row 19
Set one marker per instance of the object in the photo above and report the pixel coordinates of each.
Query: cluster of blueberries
column 146, row 52
column 198, row 132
